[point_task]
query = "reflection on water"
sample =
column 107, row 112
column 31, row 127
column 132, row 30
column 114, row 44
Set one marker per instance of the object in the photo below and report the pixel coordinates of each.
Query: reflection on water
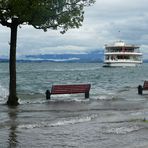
column 12, row 112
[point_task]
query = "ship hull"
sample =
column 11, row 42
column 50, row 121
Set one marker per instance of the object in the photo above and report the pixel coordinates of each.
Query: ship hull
column 122, row 64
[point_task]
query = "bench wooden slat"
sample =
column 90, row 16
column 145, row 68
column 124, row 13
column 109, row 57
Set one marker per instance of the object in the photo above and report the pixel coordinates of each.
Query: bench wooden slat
column 145, row 85
column 69, row 89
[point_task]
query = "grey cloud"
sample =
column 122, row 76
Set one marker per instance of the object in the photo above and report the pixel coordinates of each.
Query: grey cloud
column 106, row 21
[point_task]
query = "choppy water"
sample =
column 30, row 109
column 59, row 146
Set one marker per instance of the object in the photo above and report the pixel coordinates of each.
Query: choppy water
column 111, row 118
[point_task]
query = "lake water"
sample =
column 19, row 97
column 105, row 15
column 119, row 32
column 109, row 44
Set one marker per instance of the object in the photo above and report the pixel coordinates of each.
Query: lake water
column 113, row 116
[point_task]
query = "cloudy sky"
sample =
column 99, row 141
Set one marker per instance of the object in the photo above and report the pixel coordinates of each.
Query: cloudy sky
column 105, row 22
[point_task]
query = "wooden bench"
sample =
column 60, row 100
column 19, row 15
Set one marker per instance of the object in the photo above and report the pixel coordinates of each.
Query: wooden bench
column 144, row 87
column 69, row 89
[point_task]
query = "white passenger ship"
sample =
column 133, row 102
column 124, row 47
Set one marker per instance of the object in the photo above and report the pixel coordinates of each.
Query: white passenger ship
column 120, row 54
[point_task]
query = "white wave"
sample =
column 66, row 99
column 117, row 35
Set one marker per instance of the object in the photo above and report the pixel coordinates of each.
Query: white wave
column 123, row 130
column 3, row 93
column 58, row 123
column 21, row 101
column 73, row 121
column 103, row 97
column 140, row 113
column 29, row 126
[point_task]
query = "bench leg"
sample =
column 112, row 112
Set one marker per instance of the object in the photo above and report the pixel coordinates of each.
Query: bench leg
column 48, row 94
column 87, row 95
column 140, row 90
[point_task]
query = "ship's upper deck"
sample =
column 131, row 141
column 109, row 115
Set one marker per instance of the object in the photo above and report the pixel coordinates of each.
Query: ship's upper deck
column 121, row 45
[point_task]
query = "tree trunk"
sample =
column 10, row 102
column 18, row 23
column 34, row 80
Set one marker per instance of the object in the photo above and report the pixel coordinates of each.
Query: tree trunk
column 13, row 99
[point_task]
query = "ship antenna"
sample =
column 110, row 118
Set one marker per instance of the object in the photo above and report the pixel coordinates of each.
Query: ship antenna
column 119, row 36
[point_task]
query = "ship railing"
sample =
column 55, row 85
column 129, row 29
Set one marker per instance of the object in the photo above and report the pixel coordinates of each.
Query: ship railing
column 138, row 53
column 123, row 60
column 113, row 51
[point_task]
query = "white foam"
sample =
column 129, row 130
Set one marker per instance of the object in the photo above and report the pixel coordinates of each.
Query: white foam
column 32, row 101
column 139, row 113
column 103, row 97
column 29, row 126
column 123, row 130
column 3, row 93
column 73, row 121
column 58, row 123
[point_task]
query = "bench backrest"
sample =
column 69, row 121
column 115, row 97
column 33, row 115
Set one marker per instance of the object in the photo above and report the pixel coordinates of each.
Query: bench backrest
column 145, row 85
column 70, row 89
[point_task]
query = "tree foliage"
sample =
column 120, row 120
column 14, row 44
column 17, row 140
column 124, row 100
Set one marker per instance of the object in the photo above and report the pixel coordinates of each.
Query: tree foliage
column 44, row 14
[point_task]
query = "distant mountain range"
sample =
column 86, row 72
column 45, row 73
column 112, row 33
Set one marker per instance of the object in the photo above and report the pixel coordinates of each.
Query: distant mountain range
column 95, row 56
column 90, row 57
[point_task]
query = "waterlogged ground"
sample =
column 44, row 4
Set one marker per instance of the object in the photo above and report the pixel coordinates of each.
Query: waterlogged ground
column 115, row 122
